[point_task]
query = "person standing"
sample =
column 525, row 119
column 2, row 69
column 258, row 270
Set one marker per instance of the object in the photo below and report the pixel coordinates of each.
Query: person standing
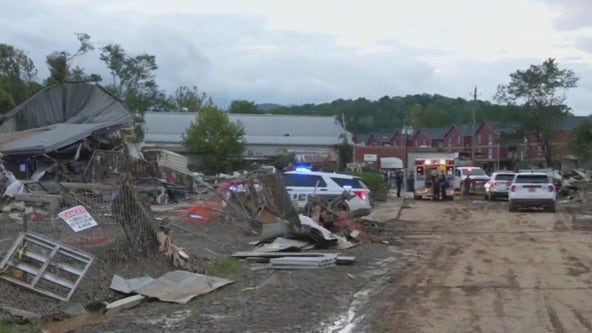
column 435, row 186
column 443, row 186
column 399, row 182
column 467, row 185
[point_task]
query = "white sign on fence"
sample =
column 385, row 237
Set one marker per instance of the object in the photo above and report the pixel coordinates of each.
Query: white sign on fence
column 78, row 218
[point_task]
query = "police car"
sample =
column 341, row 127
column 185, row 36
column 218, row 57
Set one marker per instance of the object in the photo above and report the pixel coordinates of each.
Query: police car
column 303, row 184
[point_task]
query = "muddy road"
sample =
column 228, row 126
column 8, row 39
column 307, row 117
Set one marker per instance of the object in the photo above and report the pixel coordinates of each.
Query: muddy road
column 475, row 267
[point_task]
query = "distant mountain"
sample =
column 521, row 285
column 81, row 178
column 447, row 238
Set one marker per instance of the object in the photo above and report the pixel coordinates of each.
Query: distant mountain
column 269, row 106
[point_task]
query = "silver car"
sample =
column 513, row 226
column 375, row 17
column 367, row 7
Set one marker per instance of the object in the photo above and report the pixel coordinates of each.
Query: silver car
column 497, row 186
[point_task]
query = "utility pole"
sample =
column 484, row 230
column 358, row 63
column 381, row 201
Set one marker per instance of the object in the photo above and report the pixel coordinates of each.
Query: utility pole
column 473, row 126
column 406, row 169
column 345, row 143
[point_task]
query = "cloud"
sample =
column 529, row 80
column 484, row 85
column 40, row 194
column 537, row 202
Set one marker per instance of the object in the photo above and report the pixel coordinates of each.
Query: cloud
column 239, row 56
column 584, row 44
column 572, row 14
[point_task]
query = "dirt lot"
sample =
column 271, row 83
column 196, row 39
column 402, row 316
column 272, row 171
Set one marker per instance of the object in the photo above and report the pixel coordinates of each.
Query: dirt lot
column 461, row 266
column 474, row 267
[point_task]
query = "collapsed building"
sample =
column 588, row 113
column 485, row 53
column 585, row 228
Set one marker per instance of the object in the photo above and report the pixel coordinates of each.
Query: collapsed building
column 60, row 126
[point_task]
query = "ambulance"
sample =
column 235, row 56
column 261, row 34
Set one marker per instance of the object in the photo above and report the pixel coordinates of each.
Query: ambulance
column 426, row 169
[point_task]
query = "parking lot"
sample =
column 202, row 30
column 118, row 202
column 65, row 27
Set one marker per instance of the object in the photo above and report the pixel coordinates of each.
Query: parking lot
column 475, row 267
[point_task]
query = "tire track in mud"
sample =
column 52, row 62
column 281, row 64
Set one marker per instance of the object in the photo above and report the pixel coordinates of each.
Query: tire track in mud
column 408, row 289
column 530, row 282
column 553, row 317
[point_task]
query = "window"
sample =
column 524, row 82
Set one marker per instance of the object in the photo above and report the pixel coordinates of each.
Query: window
column 458, row 140
column 532, row 179
column 490, row 153
column 474, row 172
column 353, row 182
column 490, row 139
column 505, row 177
column 478, row 139
column 303, row 180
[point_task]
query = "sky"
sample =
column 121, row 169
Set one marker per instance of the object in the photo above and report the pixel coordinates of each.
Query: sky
column 305, row 51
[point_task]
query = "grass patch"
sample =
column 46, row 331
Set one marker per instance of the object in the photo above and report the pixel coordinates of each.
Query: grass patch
column 14, row 328
column 225, row 268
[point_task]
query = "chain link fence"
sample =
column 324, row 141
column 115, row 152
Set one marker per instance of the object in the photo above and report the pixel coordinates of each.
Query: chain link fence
column 108, row 167
column 257, row 198
column 122, row 242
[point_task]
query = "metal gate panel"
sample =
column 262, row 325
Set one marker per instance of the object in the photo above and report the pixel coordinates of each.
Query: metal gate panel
column 45, row 266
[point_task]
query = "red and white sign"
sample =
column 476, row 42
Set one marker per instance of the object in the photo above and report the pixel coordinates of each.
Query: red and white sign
column 78, row 218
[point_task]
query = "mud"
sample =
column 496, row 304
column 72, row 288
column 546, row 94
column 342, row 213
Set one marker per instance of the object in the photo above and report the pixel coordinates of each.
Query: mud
column 315, row 300
column 479, row 268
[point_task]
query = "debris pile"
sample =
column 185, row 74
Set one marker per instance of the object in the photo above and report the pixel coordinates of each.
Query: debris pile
column 266, row 204
column 78, row 213
column 69, row 251
column 576, row 186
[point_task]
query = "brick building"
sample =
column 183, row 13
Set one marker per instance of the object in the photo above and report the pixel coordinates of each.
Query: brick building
column 497, row 145
column 429, row 137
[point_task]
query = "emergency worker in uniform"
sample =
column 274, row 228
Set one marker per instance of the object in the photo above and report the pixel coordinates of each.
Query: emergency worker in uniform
column 399, row 182
column 467, row 185
column 443, row 186
column 435, row 186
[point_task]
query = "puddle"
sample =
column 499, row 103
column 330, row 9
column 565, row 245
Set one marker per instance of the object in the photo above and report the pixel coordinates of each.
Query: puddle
column 347, row 322
column 72, row 324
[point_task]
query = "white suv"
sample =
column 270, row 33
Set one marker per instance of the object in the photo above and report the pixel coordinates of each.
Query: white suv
column 532, row 190
column 498, row 185
column 302, row 185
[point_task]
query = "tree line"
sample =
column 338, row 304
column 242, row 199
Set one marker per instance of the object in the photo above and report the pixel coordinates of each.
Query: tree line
column 533, row 103
column 534, row 97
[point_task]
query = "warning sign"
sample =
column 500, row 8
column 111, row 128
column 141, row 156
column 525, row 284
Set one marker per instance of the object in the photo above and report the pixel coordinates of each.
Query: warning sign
column 78, row 218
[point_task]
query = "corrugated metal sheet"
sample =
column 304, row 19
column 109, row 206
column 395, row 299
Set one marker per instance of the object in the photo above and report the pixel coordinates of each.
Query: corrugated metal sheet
column 45, row 139
column 173, row 161
column 72, row 103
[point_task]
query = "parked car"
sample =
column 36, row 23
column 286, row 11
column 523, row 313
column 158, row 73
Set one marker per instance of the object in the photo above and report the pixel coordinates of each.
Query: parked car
column 477, row 176
column 163, row 191
column 497, row 187
column 553, row 174
column 532, row 190
column 302, row 185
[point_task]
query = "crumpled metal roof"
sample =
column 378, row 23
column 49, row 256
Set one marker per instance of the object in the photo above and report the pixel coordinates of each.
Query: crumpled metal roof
column 71, row 103
column 45, row 139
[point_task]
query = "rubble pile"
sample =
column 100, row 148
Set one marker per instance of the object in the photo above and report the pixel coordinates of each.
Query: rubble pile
column 576, row 186
column 78, row 222
column 285, row 235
